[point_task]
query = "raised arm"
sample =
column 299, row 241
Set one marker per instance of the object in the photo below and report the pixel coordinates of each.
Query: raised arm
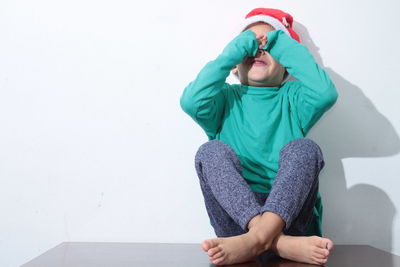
column 315, row 92
column 203, row 99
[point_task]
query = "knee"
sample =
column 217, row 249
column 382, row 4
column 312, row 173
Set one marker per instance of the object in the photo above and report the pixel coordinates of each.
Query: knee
column 213, row 149
column 303, row 149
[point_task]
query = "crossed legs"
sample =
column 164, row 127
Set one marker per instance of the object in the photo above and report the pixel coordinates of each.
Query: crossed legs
column 248, row 225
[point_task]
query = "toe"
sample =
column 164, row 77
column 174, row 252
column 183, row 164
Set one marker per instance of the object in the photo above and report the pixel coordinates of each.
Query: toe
column 327, row 244
column 318, row 256
column 324, row 243
column 218, row 261
column 204, row 246
column 218, row 255
column 208, row 244
column 321, row 261
column 212, row 251
column 330, row 244
column 318, row 261
column 322, row 252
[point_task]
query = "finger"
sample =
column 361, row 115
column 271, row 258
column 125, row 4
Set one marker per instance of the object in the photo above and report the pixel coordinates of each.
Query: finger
column 264, row 42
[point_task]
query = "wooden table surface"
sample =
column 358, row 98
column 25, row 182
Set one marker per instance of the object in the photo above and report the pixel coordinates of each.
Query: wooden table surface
column 99, row 254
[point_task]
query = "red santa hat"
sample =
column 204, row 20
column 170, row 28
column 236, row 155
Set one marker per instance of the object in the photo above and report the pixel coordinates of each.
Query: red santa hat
column 276, row 18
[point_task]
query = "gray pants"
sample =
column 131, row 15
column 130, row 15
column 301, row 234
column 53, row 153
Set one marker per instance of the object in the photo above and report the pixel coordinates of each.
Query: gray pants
column 231, row 204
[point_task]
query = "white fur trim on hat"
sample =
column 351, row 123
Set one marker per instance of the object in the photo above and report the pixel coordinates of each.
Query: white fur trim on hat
column 267, row 19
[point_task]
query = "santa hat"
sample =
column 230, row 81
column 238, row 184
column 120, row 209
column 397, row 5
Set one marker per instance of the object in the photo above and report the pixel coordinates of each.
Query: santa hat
column 276, row 18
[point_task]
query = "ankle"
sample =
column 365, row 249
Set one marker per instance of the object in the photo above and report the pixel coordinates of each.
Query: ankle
column 262, row 238
column 276, row 242
column 254, row 221
column 265, row 229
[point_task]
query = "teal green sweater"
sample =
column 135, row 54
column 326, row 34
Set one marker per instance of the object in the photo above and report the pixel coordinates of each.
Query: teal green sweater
column 258, row 121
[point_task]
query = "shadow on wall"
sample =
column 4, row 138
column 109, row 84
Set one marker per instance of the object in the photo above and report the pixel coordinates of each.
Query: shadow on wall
column 362, row 214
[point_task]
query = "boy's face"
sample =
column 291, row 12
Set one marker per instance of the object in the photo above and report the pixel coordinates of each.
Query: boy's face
column 261, row 70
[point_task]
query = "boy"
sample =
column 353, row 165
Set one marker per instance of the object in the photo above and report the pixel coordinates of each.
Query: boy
column 258, row 174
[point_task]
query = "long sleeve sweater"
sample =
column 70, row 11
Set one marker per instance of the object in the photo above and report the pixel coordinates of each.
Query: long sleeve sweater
column 258, row 121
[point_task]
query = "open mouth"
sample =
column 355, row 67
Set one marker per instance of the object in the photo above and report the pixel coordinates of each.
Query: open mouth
column 257, row 62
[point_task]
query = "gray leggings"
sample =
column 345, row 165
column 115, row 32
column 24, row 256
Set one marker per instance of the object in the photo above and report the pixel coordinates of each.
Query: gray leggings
column 231, row 204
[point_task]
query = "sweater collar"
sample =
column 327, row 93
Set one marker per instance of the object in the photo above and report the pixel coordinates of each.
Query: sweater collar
column 256, row 90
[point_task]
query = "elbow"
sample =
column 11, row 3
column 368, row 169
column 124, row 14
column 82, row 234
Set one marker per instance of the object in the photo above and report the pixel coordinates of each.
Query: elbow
column 186, row 103
column 330, row 96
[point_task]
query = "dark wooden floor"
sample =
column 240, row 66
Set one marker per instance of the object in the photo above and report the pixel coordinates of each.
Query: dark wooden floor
column 90, row 254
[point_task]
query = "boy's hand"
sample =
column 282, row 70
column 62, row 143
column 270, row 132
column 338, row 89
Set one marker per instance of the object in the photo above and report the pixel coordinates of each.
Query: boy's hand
column 262, row 41
column 243, row 45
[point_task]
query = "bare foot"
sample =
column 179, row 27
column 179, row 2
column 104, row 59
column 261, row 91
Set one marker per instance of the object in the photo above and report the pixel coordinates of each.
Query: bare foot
column 236, row 249
column 306, row 249
column 242, row 248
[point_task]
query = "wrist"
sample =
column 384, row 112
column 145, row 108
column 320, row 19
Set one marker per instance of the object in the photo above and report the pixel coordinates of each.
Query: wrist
column 243, row 45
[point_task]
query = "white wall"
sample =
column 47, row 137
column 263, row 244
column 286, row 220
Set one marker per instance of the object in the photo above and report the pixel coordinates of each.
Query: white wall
column 94, row 145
